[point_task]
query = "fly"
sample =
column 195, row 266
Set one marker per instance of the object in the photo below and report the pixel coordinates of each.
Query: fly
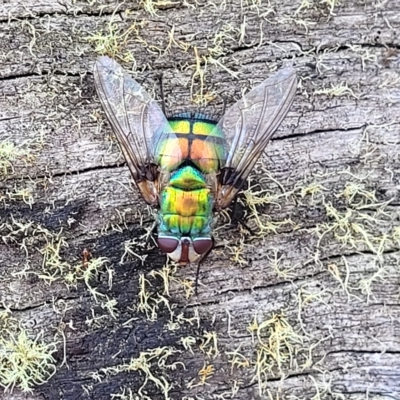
column 188, row 165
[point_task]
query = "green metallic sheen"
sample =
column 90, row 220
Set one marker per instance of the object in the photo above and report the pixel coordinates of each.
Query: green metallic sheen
column 186, row 202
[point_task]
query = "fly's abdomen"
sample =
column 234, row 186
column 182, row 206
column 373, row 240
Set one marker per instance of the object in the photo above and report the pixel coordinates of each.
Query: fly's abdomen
column 194, row 139
column 186, row 203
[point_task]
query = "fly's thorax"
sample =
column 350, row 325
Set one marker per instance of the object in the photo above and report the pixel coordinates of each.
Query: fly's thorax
column 186, row 204
column 185, row 215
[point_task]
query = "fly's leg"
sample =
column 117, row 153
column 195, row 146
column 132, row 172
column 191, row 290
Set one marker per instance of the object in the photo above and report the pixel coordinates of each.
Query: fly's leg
column 162, row 94
column 235, row 220
column 203, row 257
column 224, row 100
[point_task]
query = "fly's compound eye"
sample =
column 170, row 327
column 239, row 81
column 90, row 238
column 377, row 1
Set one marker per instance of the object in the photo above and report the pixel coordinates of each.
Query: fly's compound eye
column 203, row 245
column 167, row 244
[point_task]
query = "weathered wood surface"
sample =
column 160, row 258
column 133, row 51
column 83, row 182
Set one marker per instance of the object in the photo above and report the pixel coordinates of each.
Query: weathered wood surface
column 333, row 276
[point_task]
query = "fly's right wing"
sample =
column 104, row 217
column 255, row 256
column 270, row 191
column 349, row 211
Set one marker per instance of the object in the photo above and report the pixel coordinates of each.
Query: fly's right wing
column 138, row 123
column 248, row 126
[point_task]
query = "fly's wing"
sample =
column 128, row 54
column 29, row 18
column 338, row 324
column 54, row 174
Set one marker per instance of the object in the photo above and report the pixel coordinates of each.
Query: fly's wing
column 138, row 123
column 248, row 126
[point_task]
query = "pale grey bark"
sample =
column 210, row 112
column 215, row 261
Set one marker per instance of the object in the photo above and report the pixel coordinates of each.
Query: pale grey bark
column 340, row 295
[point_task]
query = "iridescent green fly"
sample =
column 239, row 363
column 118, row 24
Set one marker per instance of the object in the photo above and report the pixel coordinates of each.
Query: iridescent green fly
column 188, row 165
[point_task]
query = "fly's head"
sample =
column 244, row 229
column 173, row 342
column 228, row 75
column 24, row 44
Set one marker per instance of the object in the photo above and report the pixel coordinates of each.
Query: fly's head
column 185, row 250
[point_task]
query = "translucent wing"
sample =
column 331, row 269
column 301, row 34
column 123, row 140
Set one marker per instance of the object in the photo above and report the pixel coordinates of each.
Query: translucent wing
column 138, row 123
column 248, row 126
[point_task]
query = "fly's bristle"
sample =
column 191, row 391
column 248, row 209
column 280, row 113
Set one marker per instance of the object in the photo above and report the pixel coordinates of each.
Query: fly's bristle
column 197, row 115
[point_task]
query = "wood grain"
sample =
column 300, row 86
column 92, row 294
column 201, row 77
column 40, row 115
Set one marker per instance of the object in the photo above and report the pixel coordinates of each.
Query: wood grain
column 326, row 263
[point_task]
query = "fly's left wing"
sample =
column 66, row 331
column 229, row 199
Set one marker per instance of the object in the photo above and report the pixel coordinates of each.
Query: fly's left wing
column 138, row 123
column 248, row 126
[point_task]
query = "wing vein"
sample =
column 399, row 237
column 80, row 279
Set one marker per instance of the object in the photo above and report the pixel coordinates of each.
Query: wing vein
column 259, row 113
